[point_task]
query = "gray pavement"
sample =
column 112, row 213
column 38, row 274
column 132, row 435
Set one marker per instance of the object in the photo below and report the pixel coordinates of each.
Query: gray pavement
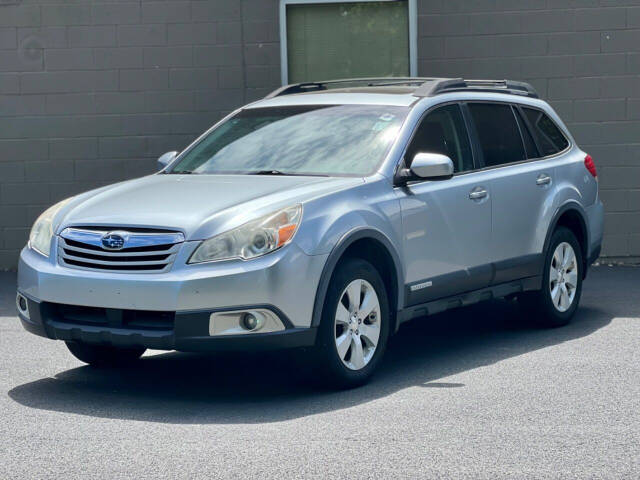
column 472, row 393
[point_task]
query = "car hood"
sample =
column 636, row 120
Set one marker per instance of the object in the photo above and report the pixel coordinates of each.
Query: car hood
column 198, row 205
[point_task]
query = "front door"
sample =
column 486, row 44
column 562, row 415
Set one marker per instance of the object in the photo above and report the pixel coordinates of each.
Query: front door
column 446, row 223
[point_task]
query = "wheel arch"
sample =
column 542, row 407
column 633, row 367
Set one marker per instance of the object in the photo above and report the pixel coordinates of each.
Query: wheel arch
column 373, row 246
column 572, row 216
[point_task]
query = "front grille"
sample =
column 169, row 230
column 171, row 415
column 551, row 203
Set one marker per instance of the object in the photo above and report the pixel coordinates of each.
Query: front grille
column 143, row 250
column 109, row 317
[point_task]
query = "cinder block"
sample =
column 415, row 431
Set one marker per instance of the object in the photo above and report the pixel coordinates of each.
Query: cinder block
column 11, row 105
column 9, row 83
column 574, row 43
column 69, row 59
column 19, row 150
column 179, row 101
column 119, row 102
column 228, row 33
column 193, row 78
column 92, row 36
column 48, row 170
column 599, row 64
column 255, row 32
column 68, row 82
column 168, row 56
column 122, row 147
column 260, row 9
column 15, row 238
column 477, row 24
column 263, row 76
column 219, row 100
column 548, row 21
column 143, row 80
column 573, row 88
column 158, row 145
column 141, row 35
column 441, row 25
column 599, row 110
column 230, row 77
column 12, row 171
column 13, row 216
column 108, row 170
column 8, row 37
column 600, row 18
column 74, row 14
column 620, row 41
column 42, row 37
column 118, row 57
column 166, row 12
column 615, row 200
column 17, row 61
column 24, row 193
column 192, row 33
column 217, row 55
column 20, row 16
column 547, row 66
column 71, row 148
column 214, row 10
column 262, row 54
column 146, row 124
column 116, row 13
column 615, row 245
column 628, row 86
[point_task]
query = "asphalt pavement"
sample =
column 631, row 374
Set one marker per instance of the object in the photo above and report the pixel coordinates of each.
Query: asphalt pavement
column 473, row 393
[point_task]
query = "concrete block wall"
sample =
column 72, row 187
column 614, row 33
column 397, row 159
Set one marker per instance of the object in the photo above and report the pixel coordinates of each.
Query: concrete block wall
column 92, row 92
column 583, row 56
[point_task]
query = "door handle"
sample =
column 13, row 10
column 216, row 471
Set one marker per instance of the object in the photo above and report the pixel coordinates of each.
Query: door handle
column 543, row 179
column 477, row 194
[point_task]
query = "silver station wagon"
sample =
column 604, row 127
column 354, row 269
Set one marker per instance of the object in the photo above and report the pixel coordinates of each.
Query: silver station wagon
column 323, row 216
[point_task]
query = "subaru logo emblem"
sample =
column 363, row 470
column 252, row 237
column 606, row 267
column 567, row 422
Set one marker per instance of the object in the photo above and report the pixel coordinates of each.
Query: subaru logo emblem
column 114, row 240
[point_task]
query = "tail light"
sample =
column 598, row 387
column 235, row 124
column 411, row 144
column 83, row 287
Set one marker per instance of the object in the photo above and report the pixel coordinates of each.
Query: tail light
column 588, row 163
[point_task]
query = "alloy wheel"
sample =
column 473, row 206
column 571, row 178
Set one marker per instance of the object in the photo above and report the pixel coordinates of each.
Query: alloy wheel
column 357, row 324
column 563, row 277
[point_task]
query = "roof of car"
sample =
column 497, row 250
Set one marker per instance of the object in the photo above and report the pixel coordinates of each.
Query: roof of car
column 400, row 91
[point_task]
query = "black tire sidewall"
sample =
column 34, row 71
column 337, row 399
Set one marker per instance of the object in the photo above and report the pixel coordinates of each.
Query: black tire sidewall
column 554, row 317
column 331, row 365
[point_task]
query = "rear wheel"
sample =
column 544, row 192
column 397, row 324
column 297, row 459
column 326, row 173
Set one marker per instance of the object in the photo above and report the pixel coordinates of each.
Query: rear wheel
column 556, row 303
column 103, row 355
column 354, row 330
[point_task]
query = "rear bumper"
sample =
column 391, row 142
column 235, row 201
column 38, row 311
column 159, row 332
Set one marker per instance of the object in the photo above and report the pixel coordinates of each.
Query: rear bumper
column 595, row 221
column 188, row 331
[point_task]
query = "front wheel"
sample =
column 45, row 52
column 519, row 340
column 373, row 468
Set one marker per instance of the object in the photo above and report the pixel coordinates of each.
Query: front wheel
column 355, row 325
column 557, row 301
column 104, row 355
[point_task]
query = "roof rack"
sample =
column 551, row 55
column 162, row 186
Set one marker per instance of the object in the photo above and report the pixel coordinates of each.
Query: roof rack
column 356, row 82
column 427, row 87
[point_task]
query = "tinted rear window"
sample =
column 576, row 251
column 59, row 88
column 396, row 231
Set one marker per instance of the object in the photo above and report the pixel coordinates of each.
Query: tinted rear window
column 498, row 133
column 549, row 137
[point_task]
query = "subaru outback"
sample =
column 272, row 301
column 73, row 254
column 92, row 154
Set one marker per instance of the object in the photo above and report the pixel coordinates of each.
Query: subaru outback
column 323, row 216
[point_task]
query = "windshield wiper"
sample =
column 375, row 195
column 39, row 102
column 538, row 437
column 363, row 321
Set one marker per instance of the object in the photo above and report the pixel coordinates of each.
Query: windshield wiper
column 280, row 172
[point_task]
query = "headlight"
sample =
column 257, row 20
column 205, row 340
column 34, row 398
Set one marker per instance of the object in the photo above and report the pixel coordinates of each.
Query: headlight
column 252, row 239
column 42, row 230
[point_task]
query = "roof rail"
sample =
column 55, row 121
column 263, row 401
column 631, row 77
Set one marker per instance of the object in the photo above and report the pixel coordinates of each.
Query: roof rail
column 493, row 86
column 362, row 82
column 427, row 87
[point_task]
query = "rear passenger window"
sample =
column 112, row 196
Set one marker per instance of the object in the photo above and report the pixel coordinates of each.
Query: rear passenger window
column 443, row 131
column 498, row 133
column 549, row 137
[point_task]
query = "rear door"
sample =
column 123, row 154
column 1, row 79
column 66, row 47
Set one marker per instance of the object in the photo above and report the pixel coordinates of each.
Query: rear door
column 521, row 185
column 446, row 223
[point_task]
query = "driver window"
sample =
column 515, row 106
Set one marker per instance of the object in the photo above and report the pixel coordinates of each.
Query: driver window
column 443, row 131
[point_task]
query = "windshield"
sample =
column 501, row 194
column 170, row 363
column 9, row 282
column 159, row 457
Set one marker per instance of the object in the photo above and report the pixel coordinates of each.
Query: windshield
column 297, row 140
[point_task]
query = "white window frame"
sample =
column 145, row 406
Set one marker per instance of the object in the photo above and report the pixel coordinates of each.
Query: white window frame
column 413, row 32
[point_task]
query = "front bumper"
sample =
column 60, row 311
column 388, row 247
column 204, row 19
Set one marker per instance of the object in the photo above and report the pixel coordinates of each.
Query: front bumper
column 185, row 331
column 284, row 282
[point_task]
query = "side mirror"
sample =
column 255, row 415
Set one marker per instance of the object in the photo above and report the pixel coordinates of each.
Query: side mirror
column 432, row 165
column 166, row 159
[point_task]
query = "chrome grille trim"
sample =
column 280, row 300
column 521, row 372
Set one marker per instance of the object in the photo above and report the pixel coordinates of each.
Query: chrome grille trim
column 144, row 251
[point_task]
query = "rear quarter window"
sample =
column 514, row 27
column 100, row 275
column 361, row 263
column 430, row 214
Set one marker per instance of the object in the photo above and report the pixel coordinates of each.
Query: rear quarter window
column 549, row 137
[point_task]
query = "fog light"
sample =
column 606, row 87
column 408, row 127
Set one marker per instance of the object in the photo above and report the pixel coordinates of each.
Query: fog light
column 244, row 322
column 249, row 321
column 23, row 306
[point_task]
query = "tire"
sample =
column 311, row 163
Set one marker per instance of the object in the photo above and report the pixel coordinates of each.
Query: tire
column 103, row 355
column 555, row 308
column 349, row 366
